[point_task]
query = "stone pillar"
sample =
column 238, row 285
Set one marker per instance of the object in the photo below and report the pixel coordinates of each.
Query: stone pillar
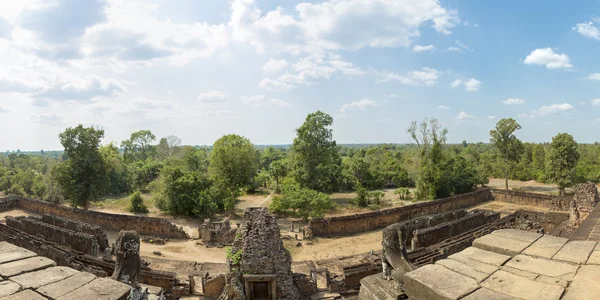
column 128, row 263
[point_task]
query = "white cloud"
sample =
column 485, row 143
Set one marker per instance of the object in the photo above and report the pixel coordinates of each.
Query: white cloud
column 513, row 101
column 453, row 49
column 419, row 48
column 392, row 95
column 358, row 105
column 275, row 65
column 456, row 83
column 463, row 46
column 5, row 110
column 262, row 100
column 548, row 110
column 463, row 116
column 595, row 102
column 212, row 97
column 472, row 85
column 47, row 118
column 588, row 30
column 425, row 77
column 275, row 85
column 443, row 107
column 83, row 89
column 147, row 104
column 491, row 117
column 594, row 76
column 547, row 57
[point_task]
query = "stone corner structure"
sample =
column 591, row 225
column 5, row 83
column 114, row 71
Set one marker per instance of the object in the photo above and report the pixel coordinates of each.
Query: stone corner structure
column 128, row 263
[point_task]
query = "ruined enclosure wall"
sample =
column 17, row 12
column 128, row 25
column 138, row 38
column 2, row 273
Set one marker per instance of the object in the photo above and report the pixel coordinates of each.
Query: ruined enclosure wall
column 7, row 204
column 78, row 241
column 142, row 225
column 539, row 200
column 548, row 221
column 93, row 230
column 379, row 219
column 434, row 234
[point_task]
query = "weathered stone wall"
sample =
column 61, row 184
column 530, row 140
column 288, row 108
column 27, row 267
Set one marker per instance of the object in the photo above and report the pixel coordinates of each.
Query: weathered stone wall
column 78, row 241
column 584, row 200
column 550, row 221
column 142, row 225
column 353, row 275
column 524, row 198
column 7, row 204
column 213, row 287
column 432, row 235
column 305, row 284
column 93, row 230
column 379, row 219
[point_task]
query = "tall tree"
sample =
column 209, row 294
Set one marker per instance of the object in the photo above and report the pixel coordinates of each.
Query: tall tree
column 233, row 162
column 562, row 161
column 315, row 158
column 538, row 161
column 141, row 143
column 83, row 176
column 508, row 146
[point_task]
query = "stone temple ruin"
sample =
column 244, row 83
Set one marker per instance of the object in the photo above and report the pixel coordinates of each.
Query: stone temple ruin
column 216, row 233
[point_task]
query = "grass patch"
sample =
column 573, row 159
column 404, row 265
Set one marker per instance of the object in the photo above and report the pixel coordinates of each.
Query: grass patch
column 122, row 202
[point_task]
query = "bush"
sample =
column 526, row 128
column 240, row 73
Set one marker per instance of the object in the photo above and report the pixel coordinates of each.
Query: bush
column 17, row 190
column 137, row 203
column 403, row 193
column 301, row 202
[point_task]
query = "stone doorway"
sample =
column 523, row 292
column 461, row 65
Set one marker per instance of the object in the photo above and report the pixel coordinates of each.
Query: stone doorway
column 260, row 287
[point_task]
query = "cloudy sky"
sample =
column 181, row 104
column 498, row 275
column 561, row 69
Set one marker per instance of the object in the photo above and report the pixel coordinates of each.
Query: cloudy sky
column 201, row 69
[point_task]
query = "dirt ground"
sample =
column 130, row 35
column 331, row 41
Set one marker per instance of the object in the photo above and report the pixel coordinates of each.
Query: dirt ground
column 326, row 248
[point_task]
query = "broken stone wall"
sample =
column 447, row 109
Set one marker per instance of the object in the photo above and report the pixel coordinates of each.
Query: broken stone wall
column 143, row 225
column 343, row 225
column 584, row 200
column 219, row 233
column 7, row 204
column 550, row 222
column 76, row 226
column 556, row 203
column 432, row 235
column 305, row 284
column 78, row 241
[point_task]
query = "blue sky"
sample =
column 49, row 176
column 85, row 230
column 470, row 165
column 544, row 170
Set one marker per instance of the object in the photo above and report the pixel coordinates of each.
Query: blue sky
column 202, row 69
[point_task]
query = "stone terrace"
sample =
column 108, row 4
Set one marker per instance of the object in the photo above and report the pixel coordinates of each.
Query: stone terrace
column 512, row 264
column 24, row 275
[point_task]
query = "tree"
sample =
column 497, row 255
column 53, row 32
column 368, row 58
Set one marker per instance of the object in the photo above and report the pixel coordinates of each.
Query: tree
column 137, row 203
column 140, row 143
column 83, row 178
column 277, row 170
column 301, row 202
column 508, row 146
column 539, row 161
column 168, row 146
column 233, row 163
column 118, row 179
column 315, row 158
column 562, row 161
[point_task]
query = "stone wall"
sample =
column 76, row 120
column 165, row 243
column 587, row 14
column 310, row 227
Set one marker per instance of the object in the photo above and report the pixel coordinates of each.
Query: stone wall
column 78, row 241
column 539, row 200
column 7, row 204
column 432, row 235
column 334, row 226
column 93, row 230
column 143, row 225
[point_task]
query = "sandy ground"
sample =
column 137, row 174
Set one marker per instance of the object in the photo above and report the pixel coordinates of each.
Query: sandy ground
column 508, row 208
column 326, row 248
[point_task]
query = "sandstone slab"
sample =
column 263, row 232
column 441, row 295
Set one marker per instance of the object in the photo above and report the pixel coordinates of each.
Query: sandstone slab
column 477, row 265
column 552, row 280
column 8, row 288
column 520, row 235
column 542, row 266
column 526, row 274
column 63, row 287
column 484, row 256
column 433, row 282
column 24, row 295
column 463, row 269
column 522, row 288
column 594, row 258
column 486, row 294
column 6, row 246
column 576, row 252
column 585, row 284
column 25, row 265
column 13, row 254
column 99, row 289
column 40, row 278
column 500, row 244
column 546, row 246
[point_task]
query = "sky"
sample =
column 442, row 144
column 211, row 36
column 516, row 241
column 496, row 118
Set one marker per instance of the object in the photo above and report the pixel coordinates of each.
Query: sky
column 203, row 69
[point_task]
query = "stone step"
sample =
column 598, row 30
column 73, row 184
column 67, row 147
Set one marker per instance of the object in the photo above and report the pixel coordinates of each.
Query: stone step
column 437, row 282
column 375, row 287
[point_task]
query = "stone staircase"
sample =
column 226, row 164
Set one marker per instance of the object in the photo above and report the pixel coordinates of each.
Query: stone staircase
column 375, row 287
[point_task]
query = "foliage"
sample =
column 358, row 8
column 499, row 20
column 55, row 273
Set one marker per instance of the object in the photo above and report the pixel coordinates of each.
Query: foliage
column 508, row 146
column 236, row 257
column 137, row 203
column 301, row 203
column 562, row 161
column 315, row 159
column 138, row 147
column 17, row 190
column 277, row 170
column 365, row 197
column 403, row 193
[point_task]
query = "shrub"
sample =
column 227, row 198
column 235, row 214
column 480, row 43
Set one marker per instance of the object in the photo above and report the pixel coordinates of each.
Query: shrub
column 137, row 203
column 301, row 202
column 17, row 190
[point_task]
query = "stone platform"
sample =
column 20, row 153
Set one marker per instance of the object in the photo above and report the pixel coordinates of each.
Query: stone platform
column 24, row 275
column 512, row 264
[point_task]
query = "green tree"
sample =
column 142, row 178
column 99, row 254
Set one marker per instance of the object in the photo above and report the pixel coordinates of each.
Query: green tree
column 315, row 158
column 140, row 143
column 562, row 161
column 507, row 145
column 118, row 179
column 539, row 161
column 301, row 203
column 430, row 138
column 83, row 179
column 137, row 203
column 277, row 170
column 233, row 162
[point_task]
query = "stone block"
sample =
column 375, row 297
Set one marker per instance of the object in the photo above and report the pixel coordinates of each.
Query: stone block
column 585, row 284
column 65, row 286
column 546, row 246
column 552, row 280
column 434, row 282
column 576, row 252
column 8, row 288
column 99, row 289
column 521, row 287
column 463, row 269
column 40, row 278
column 526, row 274
column 484, row 256
column 477, row 265
column 15, row 254
column 500, row 244
column 520, row 235
column 486, row 294
column 26, row 265
column 26, row 294
column 6, row 246
column 594, row 258
column 542, row 266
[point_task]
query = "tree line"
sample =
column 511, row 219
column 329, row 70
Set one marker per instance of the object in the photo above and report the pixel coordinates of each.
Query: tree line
column 200, row 181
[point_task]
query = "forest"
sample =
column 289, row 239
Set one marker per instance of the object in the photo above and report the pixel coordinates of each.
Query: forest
column 202, row 181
